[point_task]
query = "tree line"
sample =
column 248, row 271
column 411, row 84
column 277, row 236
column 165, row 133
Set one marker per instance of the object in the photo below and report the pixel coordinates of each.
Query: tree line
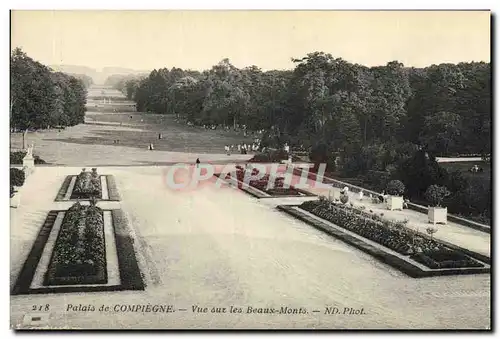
column 42, row 98
column 328, row 101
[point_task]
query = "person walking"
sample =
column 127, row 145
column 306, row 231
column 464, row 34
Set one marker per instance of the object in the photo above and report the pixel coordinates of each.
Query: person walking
column 197, row 162
column 287, row 148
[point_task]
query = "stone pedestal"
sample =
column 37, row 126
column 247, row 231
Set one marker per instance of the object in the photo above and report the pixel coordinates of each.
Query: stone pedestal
column 28, row 164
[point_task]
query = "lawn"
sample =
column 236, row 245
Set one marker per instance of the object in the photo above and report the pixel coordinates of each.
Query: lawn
column 464, row 167
column 103, row 141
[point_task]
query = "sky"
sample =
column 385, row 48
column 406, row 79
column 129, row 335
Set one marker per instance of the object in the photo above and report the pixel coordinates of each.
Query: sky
column 144, row 40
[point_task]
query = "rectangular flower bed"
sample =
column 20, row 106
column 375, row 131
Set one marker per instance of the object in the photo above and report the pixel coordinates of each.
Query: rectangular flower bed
column 405, row 249
column 79, row 255
column 46, row 269
column 445, row 258
column 87, row 185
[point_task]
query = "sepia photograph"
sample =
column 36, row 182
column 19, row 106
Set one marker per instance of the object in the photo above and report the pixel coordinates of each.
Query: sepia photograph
column 250, row 169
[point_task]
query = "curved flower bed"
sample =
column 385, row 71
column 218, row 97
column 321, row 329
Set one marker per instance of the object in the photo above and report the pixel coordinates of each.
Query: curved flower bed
column 79, row 255
column 390, row 234
column 88, row 184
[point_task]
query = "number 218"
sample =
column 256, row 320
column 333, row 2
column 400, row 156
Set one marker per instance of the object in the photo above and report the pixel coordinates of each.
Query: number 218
column 45, row 307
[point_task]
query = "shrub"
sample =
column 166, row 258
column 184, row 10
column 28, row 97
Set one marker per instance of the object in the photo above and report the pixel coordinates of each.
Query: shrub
column 322, row 154
column 470, row 197
column 16, row 158
column 17, row 177
column 395, row 187
column 344, row 199
column 377, row 179
column 435, row 194
column 430, row 231
column 38, row 160
column 12, row 191
column 421, row 171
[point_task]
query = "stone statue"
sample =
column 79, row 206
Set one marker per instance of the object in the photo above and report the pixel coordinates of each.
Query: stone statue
column 30, row 151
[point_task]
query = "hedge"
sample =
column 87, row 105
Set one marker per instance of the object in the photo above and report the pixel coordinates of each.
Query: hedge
column 17, row 177
column 16, row 158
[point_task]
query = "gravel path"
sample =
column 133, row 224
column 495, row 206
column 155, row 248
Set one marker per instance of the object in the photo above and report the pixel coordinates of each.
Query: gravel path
column 220, row 248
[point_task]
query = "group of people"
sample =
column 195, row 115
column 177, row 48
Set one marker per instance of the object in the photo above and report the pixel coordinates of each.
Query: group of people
column 475, row 169
column 381, row 198
column 242, row 148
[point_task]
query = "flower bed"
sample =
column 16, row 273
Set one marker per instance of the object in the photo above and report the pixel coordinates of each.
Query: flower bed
column 129, row 269
column 79, row 255
column 262, row 184
column 73, row 187
column 444, row 258
column 390, row 234
column 87, row 185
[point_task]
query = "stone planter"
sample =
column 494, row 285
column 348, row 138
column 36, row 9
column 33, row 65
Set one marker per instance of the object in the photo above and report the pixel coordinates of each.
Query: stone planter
column 333, row 194
column 394, row 202
column 15, row 201
column 437, row 215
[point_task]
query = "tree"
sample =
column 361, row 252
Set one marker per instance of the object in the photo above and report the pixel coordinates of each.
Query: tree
column 435, row 195
column 31, row 92
column 419, row 172
column 41, row 98
column 395, row 187
column 391, row 90
column 441, row 132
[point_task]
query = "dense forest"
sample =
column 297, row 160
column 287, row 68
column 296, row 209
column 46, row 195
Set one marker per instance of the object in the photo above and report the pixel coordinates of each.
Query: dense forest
column 445, row 108
column 41, row 98
column 377, row 122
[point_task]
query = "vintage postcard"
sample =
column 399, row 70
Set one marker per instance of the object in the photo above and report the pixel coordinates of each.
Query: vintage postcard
column 250, row 170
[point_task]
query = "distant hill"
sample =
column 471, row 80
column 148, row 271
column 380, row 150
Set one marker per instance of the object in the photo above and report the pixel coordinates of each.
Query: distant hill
column 73, row 69
column 98, row 76
column 121, row 70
